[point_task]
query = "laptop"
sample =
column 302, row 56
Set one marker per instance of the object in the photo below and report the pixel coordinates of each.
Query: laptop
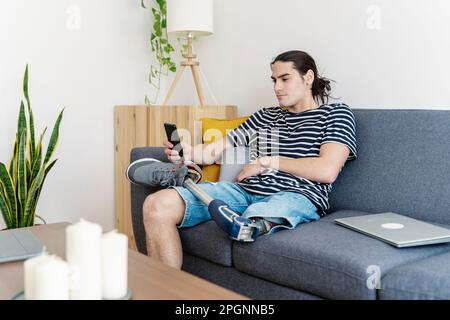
column 19, row 244
column 397, row 230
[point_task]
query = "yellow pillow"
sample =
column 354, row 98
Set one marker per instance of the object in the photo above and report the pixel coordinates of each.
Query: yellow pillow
column 213, row 129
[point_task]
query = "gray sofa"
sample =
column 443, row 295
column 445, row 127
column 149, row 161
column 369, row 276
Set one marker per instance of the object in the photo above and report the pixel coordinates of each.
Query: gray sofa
column 403, row 166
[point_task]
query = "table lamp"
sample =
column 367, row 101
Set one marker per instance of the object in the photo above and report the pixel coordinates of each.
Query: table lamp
column 189, row 18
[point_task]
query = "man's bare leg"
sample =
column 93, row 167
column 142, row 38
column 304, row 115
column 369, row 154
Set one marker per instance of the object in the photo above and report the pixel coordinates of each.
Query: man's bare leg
column 163, row 211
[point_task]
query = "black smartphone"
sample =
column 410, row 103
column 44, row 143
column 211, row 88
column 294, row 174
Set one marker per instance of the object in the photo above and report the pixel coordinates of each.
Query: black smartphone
column 173, row 137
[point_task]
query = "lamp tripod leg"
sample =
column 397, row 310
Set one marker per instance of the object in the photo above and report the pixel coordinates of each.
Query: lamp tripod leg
column 198, row 86
column 174, row 83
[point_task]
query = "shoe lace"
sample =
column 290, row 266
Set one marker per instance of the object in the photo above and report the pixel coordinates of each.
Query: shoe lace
column 169, row 177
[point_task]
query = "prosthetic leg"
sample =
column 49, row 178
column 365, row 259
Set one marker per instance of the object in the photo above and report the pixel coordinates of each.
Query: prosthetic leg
column 237, row 227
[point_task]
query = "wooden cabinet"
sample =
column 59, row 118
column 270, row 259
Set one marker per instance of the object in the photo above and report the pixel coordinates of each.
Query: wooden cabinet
column 139, row 126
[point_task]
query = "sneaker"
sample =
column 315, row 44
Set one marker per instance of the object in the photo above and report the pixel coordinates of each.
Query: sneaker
column 149, row 172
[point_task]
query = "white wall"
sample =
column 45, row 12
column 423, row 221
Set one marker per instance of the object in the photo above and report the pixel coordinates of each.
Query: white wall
column 404, row 64
column 89, row 70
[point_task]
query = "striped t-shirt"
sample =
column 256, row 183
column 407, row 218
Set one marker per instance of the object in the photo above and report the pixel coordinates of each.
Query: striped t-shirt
column 274, row 131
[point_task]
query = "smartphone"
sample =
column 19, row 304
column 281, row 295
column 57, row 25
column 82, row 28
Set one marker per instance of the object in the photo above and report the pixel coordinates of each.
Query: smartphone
column 173, row 137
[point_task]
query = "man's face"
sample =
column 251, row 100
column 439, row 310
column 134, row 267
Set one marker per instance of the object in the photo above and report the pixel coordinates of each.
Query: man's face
column 290, row 88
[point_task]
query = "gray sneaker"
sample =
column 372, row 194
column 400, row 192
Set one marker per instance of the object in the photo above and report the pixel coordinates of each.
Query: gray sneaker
column 149, row 172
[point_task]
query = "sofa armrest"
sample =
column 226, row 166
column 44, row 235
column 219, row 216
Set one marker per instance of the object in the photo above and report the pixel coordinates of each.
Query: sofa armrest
column 139, row 194
column 148, row 152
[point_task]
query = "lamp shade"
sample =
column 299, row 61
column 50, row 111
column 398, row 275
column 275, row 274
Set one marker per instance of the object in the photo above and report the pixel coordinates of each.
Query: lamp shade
column 195, row 16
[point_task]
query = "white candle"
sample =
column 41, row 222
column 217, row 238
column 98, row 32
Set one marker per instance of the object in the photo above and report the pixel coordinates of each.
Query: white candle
column 51, row 279
column 83, row 253
column 28, row 267
column 114, row 265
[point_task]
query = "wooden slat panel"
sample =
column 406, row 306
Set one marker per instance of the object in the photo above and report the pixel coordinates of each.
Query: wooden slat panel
column 131, row 131
column 119, row 132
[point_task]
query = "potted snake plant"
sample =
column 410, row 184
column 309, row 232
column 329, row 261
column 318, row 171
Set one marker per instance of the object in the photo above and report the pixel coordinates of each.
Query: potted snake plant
column 22, row 181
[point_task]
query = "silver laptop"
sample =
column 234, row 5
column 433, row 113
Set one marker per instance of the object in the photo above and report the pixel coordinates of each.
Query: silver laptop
column 397, row 230
column 19, row 244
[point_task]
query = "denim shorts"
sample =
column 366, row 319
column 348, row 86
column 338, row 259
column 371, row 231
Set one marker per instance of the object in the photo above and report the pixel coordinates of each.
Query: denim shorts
column 287, row 209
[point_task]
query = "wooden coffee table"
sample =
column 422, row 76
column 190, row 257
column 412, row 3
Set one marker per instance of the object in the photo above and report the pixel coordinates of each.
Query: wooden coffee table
column 147, row 277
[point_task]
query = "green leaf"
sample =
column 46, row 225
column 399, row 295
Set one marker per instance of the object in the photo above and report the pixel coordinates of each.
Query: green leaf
column 143, row 5
column 152, row 37
column 13, row 159
column 25, row 85
column 5, row 210
column 30, row 114
column 9, row 192
column 146, row 100
column 157, row 29
column 170, row 47
column 22, row 122
column 160, row 2
column 163, row 41
column 49, row 167
column 22, row 173
column 38, row 162
column 164, row 23
column 53, row 139
column 28, row 169
column 173, row 67
column 31, row 215
column 28, row 213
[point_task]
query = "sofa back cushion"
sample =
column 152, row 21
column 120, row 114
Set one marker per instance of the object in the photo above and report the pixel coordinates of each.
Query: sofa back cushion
column 403, row 165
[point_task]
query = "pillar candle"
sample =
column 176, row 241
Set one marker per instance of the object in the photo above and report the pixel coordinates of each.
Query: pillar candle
column 51, row 279
column 114, row 265
column 83, row 253
column 28, row 267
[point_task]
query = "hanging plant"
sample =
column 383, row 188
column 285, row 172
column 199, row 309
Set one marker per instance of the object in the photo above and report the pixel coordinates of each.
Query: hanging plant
column 160, row 46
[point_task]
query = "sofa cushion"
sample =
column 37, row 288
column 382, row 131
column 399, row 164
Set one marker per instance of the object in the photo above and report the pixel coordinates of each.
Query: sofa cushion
column 402, row 165
column 422, row 280
column 209, row 242
column 326, row 259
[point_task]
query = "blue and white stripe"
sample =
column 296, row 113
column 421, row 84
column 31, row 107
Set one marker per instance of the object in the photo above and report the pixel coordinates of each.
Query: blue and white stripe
column 275, row 131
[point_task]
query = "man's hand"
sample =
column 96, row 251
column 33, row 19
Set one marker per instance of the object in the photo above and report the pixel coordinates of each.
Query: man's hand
column 254, row 168
column 173, row 155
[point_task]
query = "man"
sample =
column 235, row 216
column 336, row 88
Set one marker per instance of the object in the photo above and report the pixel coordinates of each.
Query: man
column 297, row 150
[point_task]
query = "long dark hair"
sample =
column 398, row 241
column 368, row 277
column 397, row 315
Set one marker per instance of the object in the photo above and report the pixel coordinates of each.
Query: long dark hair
column 302, row 63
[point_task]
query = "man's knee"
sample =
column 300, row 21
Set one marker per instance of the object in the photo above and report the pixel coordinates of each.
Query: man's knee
column 164, row 206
